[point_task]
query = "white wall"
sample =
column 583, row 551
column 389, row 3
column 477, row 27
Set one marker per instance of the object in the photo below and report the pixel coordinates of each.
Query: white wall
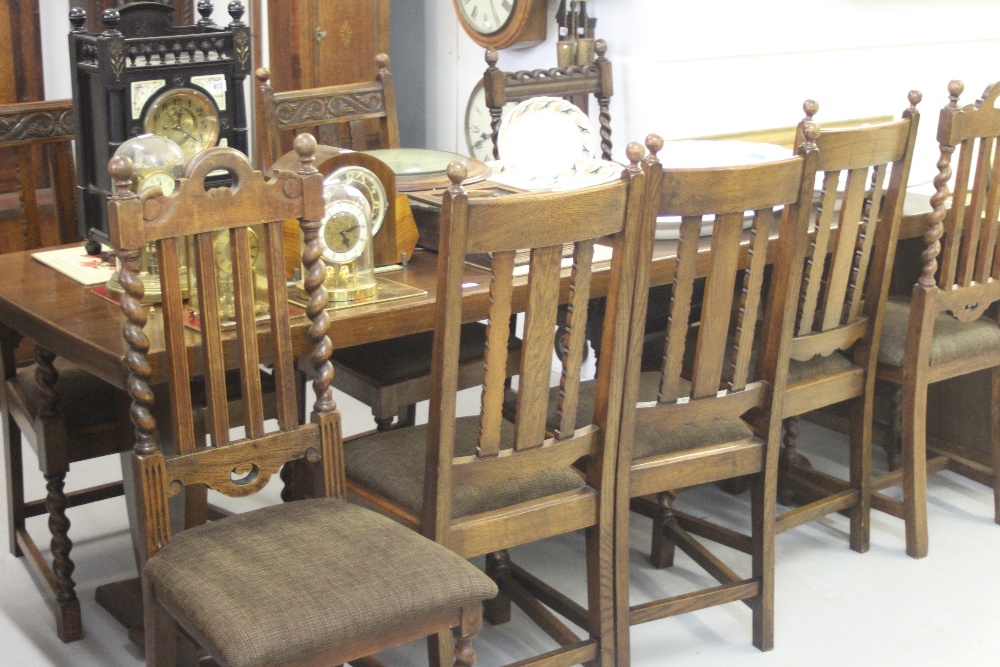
column 685, row 68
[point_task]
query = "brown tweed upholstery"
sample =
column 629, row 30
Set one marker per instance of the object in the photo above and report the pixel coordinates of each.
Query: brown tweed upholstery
column 800, row 371
column 651, row 439
column 952, row 339
column 292, row 579
column 83, row 399
column 391, row 361
column 392, row 465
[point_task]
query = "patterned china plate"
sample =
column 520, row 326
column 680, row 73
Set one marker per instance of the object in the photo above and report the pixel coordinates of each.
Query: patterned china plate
column 545, row 137
column 584, row 173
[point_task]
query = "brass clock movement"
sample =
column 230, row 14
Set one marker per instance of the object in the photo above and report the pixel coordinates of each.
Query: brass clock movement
column 144, row 75
column 503, row 23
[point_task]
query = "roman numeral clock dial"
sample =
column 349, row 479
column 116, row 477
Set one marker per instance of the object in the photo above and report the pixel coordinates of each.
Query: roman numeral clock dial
column 503, row 23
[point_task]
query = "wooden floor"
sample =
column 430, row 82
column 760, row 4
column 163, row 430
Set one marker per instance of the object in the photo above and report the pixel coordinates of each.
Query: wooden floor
column 833, row 606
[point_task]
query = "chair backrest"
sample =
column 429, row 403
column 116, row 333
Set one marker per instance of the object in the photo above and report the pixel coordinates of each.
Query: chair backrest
column 40, row 135
column 853, row 233
column 234, row 467
column 542, row 223
column 722, row 385
column 338, row 115
column 970, row 255
column 575, row 84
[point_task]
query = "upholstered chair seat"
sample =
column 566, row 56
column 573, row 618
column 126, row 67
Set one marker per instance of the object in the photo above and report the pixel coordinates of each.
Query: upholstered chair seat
column 952, row 339
column 310, row 574
column 392, row 464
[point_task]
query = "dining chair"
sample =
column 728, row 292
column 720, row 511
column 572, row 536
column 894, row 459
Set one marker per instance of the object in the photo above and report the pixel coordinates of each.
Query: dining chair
column 941, row 331
column 576, row 84
column 722, row 419
column 64, row 413
column 842, row 306
column 481, row 485
column 390, row 376
column 315, row 581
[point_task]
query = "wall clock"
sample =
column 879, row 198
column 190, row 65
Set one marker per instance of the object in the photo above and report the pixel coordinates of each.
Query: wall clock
column 503, row 23
column 479, row 124
column 143, row 74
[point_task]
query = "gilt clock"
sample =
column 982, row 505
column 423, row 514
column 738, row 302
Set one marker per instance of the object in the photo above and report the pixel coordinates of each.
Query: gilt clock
column 503, row 23
column 144, row 75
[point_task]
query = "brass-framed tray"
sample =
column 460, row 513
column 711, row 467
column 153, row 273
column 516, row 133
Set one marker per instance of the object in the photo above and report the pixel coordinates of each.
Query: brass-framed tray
column 426, row 169
column 386, row 290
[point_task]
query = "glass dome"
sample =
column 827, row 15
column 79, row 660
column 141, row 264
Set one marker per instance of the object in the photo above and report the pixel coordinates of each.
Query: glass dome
column 154, row 156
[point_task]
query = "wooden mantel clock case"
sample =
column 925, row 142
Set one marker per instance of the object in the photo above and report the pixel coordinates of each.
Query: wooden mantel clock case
column 144, row 75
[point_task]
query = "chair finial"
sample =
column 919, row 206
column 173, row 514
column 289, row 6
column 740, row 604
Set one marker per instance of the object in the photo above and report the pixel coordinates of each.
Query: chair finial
column 120, row 167
column 457, row 172
column 915, row 97
column 263, row 74
column 634, row 152
column 382, row 61
column 654, row 144
column 600, row 48
column 305, row 147
column 810, row 107
column 492, row 57
column 810, row 131
column 955, row 90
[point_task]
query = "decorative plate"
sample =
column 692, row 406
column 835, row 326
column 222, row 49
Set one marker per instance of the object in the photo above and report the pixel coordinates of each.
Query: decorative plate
column 545, row 137
column 426, row 169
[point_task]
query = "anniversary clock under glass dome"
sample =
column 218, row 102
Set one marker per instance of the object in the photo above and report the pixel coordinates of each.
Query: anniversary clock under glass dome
column 144, row 75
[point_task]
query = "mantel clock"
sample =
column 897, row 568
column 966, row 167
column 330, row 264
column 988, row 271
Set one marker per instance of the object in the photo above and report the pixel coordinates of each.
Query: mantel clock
column 144, row 75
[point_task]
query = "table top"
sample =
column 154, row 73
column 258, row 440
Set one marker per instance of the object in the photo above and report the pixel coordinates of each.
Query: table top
column 65, row 317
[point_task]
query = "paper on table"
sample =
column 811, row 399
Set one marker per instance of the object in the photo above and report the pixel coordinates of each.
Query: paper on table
column 77, row 264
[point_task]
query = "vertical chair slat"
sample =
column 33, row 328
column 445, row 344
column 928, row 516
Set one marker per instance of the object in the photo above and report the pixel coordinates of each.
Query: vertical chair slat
column 284, row 375
column 974, row 214
column 536, row 353
column 843, row 249
column 713, row 335
column 750, row 297
column 497, row 337
column 179, row 378
column 955, row 221
column 816, row 258
column 576, row 326
column 211, row 336
column 680, row 308
column 986, row 262
column 246, row 325
column 871, row 217
column 358, row 140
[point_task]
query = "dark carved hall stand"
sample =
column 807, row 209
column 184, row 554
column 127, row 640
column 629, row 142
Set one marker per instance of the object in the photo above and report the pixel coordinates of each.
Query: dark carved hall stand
column 183, row 10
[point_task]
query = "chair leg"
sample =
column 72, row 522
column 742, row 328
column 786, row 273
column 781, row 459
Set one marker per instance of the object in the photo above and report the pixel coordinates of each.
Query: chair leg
column 14, row 465
column 68, row 625
column 787, row 459
column 661, row 553
column 497, row 610
column 383, row 424
column 601, row 579
column 995, row 433
column 160, row 632
column 893, row 439
column 914, row 461
column 763, row 492
column 441, row 649
column 860, row 410
column 407, row 417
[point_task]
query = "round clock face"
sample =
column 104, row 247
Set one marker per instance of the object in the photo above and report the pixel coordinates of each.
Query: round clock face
column 344, row 232
column 369, row 185
column 479, row 124
column 160, row 179
column 223, row 254
column 185, row 115
column 486, row 16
